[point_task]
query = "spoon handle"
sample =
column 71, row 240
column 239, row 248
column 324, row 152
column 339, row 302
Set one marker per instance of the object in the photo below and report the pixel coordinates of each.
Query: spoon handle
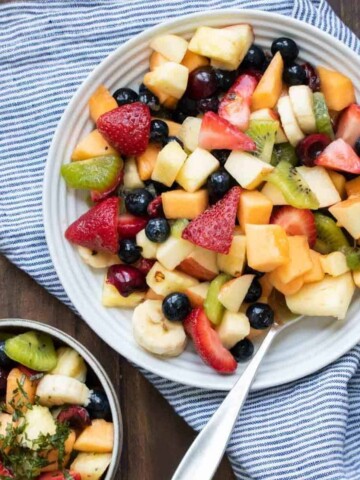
column 207, row 450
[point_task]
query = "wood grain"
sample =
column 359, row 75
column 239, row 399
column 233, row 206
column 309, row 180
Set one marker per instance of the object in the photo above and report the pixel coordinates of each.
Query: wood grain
column 155, row 437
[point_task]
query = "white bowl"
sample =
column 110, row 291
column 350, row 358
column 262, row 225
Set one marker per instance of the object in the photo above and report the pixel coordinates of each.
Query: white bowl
column 302, row 349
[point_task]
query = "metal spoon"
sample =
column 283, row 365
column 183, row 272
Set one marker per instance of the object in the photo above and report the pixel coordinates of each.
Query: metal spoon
column 207, row 450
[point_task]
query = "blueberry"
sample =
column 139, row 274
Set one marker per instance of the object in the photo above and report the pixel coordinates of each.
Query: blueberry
column 187, row 106
column 255, row 58
column 143, row 89
column 295, row 74
column 218, row 184
column 137, row 201
column 5, row 361
column 178, row 116
column 176, row 307
column 129, row 252
column 260, row 315
column 287, row 47
column 125, row 95
column 251, row 271
column 210, row 104
column 158, row 130
column 254, row 292
column 221, row 155
column 243, row 350
column 157, row 230
column 99, row 406
column 357, row 146
column 173, row 139
column 225, row 79
column 150, row 100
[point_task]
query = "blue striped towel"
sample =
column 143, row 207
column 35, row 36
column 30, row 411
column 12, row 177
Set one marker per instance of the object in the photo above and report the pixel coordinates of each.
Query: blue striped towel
column 306, row 430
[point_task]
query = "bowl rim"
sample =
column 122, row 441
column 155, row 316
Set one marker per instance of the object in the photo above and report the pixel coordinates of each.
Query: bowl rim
column 95, row 365
column 88, row 83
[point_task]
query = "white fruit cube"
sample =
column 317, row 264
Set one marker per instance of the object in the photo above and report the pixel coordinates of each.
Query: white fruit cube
column 170, row 46
column 131, row 175
column 289, row 122
column 197, row 294
column 172, row 252
column 274, row 194
column 233, row 328
column 195, row 171
column 234, row 262
column 321, row 184
column 170, row 78
column 164, row 281
column 149, row 248
column 233, row 292
column 111, row 297
column 302, row 101
column 330, row 297
column 347, row 213
column 189, row 133
column 200, row 263
column 38, row 422
column 91, row 466
column 247, row 170
column 334, row 264
column 168, row 164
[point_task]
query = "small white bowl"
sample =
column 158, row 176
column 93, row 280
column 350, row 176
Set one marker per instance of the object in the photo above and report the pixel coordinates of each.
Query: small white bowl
column 301, row 350
column 18, row 325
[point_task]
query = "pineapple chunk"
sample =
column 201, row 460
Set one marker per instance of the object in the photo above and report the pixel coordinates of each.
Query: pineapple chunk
column 168, row 164
column 172, row 252
column 192, row 61
column 195, row 171
column 112, row 298
column 329, row 297
column 149, row 248
column 347, row 213
column 131, row 175
column 38, row 421
column 267, row 247
column 70, row 364
column 316, row 273
column 97, row 438
column 334, row 264
column 189, row 133
column 234, row 262
column 254, row 207
column 147, row 160
column 181, row 204
column 93, row 145
column 101, row 101
column 172, row 47
column 247, row 170
column 170, row 78
column 233, row 328
column 91, row 466
column 164, row 281
column 299, row 260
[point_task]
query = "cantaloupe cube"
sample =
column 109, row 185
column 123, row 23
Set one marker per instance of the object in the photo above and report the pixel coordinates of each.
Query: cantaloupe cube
column 317, row 272
column 181, row 204
column 156, row 59
column 338, row 89
column 20, row 391
column 339, row 182
column 352, row 187
column 97, row 438
column 254, row 207
column 93, row 145
column 334, row 264
column 347, row 213
column 269, row 89
column 101, row 101
column 267, row 247
column 53, row 455
column 146, row 161
column 91, row 466
column 234, row 262
column 299, row 260
column 192, row 61
column 286, row 288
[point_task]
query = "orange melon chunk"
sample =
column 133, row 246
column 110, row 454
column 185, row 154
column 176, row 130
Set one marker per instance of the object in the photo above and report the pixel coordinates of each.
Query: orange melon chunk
column 20, row 391
column 267, row 247
column 193, row 61
column 299, row 260
column 269, row 89
column 286, row 288
column 316, row 273
column 181, row 204
column 338, row 89
column 101, row 101
column 53, row 455
column 97, row 438
column 146, row 161
column 93, row 145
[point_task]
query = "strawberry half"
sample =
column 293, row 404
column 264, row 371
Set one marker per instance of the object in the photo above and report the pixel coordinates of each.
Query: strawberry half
column 129, row 225
column 97, row 228
column 5, row 473
column 217, row 133
column 339, row 156
column 296, row 222
column 60, row 475
column 214, row 228
column 127, row 128
column 207, row 342
column 235, row 106
column 349, row 125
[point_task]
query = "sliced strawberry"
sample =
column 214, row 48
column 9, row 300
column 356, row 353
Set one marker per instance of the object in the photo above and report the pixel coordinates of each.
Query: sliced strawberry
column 214, row 228
column 207, row 342
column 60, row 475
column 339, row 156
column 129, row 225
column 296, row 222
column 235, row 106
column 217, row 133
column 97, row 228
column 5, row 473
column 127, row 128
column 97, row 197
column 349, row 125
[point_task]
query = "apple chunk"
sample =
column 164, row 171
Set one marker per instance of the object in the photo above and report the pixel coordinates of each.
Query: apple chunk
column 321, row 184
column 170, row 46
column 247, row 170
column 232, row 293
column 200, row 264
column 233, row 263
column 347, row 213
column 197, row 294
column 164, row 281
column 170, row 78
column 168, row 164
column 196, row 169
column 233, row 328
column 172, row 252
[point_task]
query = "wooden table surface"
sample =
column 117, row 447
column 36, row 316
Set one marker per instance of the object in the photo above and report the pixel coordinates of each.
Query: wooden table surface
column 155, row 437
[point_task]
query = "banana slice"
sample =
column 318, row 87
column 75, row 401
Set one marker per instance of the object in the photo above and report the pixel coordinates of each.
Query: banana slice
column 302, row 101
column 70, row 364
column 98, row 259
column 155, row 333
column 288, row 120
column 54, row 390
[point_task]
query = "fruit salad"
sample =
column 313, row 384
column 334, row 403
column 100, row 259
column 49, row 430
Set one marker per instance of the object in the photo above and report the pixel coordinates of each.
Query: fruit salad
column 228, row 182
column 54, row 425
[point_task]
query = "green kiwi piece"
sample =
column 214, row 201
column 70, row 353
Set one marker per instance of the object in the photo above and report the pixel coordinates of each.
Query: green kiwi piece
column 34, row 350
column 293, row 186
column 213, row 307
column 352, row 255
column 329, row 234
column 263, row 132
column 99, row 173
column 286, row 152
column 322, row 117
column 178, row 227
column 322, row 247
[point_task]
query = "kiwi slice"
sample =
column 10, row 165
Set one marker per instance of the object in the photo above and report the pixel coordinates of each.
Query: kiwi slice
column 352, row 255
column 322, row 117
column 99, row 173
column 213, row 307
column 293, row 186
column 286, row 152
column 178, row 227
column 330, row 236
column 263, row 132
column 34, row 350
